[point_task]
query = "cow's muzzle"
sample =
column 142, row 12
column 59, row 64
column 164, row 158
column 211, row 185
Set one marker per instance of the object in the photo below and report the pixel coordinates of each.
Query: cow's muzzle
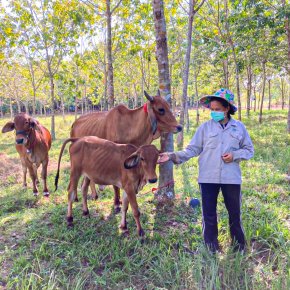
column 20, row 141
column 179, row 128
column 152, row 180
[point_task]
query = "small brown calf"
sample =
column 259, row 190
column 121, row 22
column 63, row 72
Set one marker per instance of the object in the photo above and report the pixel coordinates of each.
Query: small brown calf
column 105, row 162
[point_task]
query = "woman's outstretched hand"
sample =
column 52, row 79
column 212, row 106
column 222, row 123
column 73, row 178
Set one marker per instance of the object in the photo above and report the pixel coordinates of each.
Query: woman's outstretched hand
column 163, row 157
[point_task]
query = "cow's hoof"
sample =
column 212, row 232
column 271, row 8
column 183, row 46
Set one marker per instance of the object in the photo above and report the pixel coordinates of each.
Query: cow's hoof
column 35, row 193
column 76, row 199
column 24, row 185
column 37, row 181
column 69, row 221
column 141, row 233
column 117, row 210
column 95, row 197
column 86, row 213
column 46, row 193
column 123, row 227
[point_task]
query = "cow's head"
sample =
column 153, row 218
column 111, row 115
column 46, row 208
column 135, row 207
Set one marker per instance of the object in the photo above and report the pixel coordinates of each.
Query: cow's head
column 146, row 156
column 161, row 117
column 22, row 124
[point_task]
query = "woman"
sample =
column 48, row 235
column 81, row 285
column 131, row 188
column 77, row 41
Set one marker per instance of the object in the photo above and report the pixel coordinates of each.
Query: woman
column 221, row 143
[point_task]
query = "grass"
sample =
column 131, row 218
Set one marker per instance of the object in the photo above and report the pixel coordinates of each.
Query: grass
column 37, row 251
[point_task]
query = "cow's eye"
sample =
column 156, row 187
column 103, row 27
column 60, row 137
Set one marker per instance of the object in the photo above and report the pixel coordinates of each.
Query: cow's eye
column 161, row 111
column 142, row 158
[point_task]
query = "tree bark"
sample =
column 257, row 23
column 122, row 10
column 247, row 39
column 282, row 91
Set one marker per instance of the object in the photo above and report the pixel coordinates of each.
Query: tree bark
column 109, row 56
column 52, row 107
column 226, row 73
column 287, row 29
column 269, row 87
column 249, row 89
column 263, row 92
column 166, row 184
column 184, row 108
column 231, row 43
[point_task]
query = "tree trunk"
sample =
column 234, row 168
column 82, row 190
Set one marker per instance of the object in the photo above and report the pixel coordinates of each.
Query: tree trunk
column 165, row 170
column 249, row 89
column 109, row 55
column 52, row 131
column 196, row 98
column 34, row 101
column 269, row 86
column 231, row 43
column 1, row 107
column 184, row 108
column 263, row 92
column 226, row 73
column 11, row 109
column 282, row 92
column 18, row 106
column 287, row 28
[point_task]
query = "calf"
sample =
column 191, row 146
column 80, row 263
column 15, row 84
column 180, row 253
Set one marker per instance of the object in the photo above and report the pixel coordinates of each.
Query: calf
column 33, row 142
column 105, row 162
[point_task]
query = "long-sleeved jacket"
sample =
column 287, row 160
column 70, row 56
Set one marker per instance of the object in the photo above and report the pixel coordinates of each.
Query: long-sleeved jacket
column 210, row 142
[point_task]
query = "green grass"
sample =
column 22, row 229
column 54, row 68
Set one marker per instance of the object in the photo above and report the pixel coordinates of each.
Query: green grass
column 37, row 251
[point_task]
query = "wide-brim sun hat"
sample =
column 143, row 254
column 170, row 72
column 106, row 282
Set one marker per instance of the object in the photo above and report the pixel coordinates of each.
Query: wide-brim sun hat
column 225, row 94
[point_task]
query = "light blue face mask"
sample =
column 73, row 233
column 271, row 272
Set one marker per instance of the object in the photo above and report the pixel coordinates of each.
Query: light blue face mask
column 217, row 116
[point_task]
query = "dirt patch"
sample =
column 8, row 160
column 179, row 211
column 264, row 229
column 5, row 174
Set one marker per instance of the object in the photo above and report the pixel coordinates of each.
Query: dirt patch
column 9, row 167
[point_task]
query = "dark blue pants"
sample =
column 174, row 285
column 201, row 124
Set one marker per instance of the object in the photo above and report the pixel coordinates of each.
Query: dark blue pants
column 232, row 198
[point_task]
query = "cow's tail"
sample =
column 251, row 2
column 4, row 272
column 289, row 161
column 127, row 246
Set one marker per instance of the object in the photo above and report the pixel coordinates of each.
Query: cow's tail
column 59, row 159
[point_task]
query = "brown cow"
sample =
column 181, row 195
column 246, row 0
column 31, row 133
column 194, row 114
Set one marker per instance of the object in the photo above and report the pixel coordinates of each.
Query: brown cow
column 108, row 163
column 33, row 142
column 122, row 125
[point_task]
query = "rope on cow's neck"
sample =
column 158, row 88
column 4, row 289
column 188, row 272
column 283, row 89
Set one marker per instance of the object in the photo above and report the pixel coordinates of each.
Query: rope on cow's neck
column 168, row 184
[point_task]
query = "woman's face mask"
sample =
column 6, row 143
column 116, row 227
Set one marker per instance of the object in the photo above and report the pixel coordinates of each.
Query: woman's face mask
column 218, row 112
column 217, row 116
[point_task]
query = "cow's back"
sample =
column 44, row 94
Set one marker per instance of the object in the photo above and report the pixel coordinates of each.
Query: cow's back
column 100, row 159
column 92, row 124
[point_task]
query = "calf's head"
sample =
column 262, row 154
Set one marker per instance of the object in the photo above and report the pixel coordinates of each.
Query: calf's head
column 22, row 124
column 146, row 156
column 160, row 115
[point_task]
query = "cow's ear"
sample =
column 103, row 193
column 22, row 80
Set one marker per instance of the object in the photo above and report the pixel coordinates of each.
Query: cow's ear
column 34, row 123
column 158, row 93
column 8, row 127
column 132, row 161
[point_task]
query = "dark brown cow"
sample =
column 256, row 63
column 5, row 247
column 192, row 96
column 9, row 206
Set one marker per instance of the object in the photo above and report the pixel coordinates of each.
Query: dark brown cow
column 33, row 142
column 108, row 163
column 122, row 125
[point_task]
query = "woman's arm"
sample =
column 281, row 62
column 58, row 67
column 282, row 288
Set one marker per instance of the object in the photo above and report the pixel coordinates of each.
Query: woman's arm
column 193, row 149
column 246, row 150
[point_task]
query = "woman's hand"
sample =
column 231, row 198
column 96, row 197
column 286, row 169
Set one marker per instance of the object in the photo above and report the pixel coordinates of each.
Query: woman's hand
column 163, row 157
column 228, row 157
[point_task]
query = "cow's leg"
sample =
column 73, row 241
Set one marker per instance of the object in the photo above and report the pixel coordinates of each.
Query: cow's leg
column 117, row 203
column 33, row 178
column 72, row 192
column 24, row 170
column 131, row 195
column 93, row 189
column 85, row 187
column 35, row 172
column 125, row 204
column 44, row 176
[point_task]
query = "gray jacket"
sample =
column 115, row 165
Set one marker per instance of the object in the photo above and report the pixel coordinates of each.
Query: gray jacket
column 210, row 142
